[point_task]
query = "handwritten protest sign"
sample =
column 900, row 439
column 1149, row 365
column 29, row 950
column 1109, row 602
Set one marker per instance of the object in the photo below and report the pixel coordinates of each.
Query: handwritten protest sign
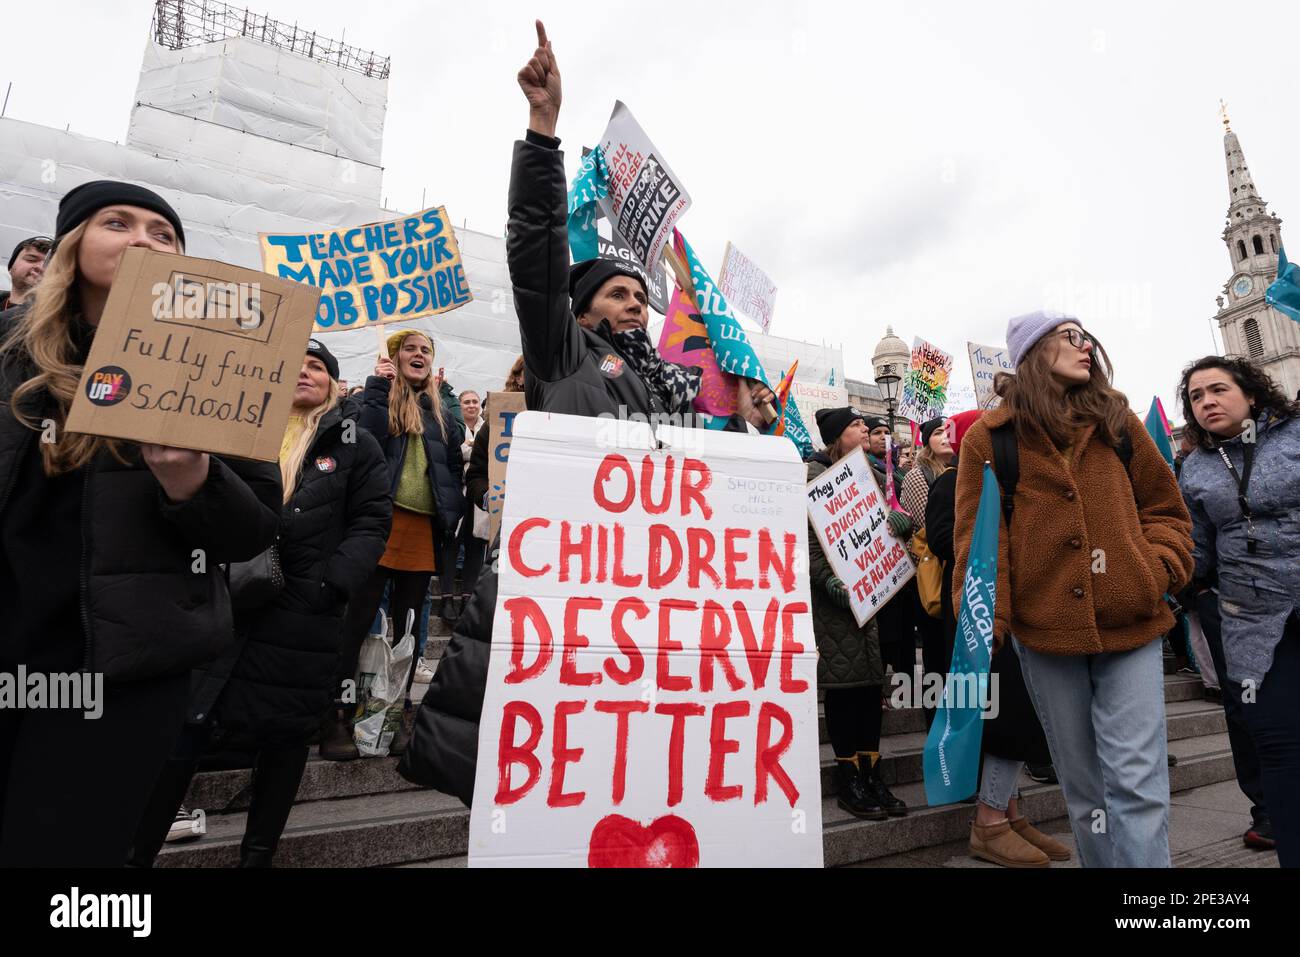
column 651, row 690
column 747, row 287
column 502, row 407
column 985, row 363
column 403, row 269
column 846, row 507
column 645, row 198
column 925, row 387
column 195, row 354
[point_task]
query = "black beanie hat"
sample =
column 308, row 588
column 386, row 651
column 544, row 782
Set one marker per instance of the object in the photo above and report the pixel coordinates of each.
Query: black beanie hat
column 929, row 428
column 13, row 256
column 586, row 278
column 875, row 422
column 832, row 422
column 316, row 348
column 84, row 201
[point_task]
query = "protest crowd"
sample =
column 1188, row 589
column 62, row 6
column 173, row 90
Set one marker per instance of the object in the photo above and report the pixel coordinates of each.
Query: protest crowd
column 378, row 510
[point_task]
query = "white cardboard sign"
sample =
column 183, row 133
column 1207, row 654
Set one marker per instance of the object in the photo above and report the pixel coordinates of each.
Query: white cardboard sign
column 985, row 363
column 652, row 688
column 847, row 509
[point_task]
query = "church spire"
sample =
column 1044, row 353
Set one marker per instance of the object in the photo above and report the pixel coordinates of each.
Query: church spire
column 1241, row 187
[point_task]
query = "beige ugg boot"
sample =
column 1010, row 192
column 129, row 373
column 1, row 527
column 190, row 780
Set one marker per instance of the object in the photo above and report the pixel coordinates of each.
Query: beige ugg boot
column 1001, row 845
column 1048, row 845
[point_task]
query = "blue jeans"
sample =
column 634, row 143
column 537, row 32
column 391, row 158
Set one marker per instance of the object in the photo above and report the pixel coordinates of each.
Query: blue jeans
column 1104, row 717
column 998, row 780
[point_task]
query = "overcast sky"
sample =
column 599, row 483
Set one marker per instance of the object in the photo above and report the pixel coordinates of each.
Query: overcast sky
column 936, row 166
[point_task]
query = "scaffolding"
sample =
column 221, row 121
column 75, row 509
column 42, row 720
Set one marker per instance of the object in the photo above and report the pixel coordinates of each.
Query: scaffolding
column 186, row 23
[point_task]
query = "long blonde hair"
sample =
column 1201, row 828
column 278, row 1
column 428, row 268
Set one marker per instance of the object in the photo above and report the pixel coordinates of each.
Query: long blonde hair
column 404, row 416
column 929, row 458
column 44, row 336
column 291, row 461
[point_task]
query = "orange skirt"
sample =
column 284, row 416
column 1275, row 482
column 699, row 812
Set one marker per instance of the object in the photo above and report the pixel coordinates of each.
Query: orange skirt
column 410, row 543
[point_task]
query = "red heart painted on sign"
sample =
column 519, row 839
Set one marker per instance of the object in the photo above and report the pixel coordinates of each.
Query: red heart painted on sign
column 618, row 841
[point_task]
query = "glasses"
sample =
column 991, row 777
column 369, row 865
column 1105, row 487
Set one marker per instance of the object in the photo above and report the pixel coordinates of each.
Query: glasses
column 1077, row 337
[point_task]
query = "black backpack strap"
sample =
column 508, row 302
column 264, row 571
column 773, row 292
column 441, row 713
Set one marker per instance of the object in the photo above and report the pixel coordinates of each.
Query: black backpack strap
column 1124, row 449
column 1006, row 466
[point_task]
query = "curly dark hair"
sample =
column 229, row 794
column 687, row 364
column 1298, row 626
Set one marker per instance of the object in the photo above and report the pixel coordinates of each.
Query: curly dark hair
column 1258, row 385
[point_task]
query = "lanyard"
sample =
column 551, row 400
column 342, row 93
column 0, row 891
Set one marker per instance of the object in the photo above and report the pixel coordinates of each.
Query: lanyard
column 1243, row 481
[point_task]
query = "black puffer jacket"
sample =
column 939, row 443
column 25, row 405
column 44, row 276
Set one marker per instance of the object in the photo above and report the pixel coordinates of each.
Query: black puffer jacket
column 446, row 465
column 332, row 534
column 567, row 368
column 145, row 610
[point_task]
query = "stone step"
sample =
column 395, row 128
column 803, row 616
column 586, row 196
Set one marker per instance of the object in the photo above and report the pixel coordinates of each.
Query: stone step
column 431, row 828
column 901, row 746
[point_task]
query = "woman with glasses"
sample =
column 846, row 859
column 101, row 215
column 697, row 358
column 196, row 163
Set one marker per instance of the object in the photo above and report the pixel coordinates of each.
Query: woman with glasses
column 1094, row 534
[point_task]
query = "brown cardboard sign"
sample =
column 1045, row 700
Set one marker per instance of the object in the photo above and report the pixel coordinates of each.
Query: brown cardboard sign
column 502, row 407
column 195, row 354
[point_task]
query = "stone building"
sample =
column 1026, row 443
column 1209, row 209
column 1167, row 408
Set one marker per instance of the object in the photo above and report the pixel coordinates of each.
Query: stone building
column 1253, row 235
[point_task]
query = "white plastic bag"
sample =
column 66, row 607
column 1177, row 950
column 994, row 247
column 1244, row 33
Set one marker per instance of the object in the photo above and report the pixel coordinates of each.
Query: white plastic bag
column 381, row 687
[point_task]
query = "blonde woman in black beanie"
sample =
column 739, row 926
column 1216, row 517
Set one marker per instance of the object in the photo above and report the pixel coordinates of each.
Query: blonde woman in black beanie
column 98, row 545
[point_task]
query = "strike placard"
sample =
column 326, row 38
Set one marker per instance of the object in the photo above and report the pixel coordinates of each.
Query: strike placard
column 403, row 269
column 195, row 354
column 645, row 198
column 651, row 696
column 847, row 509
column 502, row 407
column 985, row 363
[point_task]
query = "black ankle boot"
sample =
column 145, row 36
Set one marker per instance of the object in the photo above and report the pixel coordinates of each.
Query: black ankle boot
column 874, row 786
column 336, row 742
column 852, row 796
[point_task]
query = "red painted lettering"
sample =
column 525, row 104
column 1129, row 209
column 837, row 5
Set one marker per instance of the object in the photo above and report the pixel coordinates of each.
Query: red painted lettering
column 622, row 709
column 516, row 546
column 658, row 576
column 509, row 754
column 574, row 641
column 790, row 648
column 767, row 761
column 719, row 747
column 666, row 681
column 520, row 609
column 715, row 632
column 680, row 712
column 700, row 547
column 562, row 754
column 693, row 491
column 612, row 463
column 734, row 557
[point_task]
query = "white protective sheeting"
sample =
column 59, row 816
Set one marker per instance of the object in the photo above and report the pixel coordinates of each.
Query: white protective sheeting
column 249, row 86
column 229, row 184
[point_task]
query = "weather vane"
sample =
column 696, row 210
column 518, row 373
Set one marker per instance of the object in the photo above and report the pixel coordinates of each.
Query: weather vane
column 1223, row 112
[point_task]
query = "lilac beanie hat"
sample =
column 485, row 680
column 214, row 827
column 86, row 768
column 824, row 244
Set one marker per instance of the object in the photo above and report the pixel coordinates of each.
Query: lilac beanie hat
column 1024, row 331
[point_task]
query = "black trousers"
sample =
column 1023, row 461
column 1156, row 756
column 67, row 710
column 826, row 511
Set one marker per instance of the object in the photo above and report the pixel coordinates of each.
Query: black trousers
column 1274, row 721
column 475, row 550
column 853, row 719
column 72, row 790
column 407, row 594
column 277, row 772
column 1245, row 759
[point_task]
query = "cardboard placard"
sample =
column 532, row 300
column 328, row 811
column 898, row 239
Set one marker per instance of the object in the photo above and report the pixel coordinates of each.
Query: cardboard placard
column 985, row 363
column 925, row 386
column 195, row 354
column 646, row 198
column 747, row 287
column 502, row 407
column 847, row 510
column 651, row 696
column 403, row 269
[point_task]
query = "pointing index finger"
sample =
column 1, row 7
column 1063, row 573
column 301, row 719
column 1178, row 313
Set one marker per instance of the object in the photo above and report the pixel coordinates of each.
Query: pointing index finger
column 541, row 34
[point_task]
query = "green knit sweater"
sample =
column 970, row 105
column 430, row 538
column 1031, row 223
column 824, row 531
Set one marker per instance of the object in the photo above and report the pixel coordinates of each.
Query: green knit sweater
column 413, row 491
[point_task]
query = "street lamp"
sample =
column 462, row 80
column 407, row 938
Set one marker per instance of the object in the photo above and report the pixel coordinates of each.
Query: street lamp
column 890, row 360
